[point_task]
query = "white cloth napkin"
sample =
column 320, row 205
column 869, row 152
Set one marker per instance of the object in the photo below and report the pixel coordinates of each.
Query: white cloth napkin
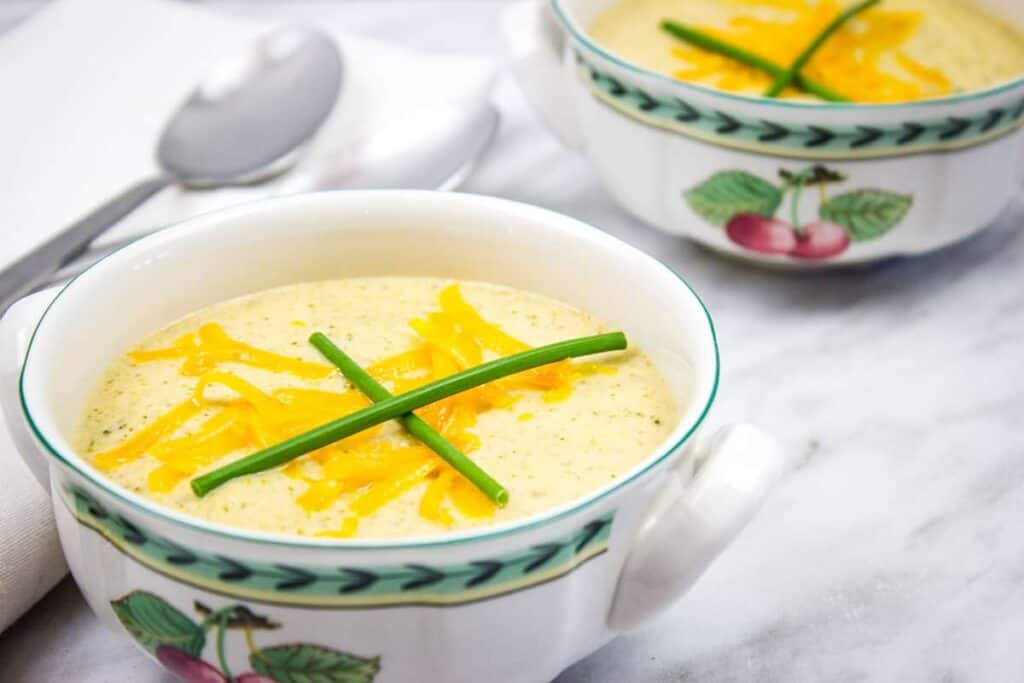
column 86, row 89
column 31, row 561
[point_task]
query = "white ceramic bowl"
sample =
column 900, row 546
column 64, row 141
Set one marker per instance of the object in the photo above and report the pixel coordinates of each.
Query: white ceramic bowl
column 907, row 178
column 513, row 603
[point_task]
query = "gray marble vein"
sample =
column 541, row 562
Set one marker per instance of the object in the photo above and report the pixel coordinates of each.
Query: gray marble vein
column 894, row 551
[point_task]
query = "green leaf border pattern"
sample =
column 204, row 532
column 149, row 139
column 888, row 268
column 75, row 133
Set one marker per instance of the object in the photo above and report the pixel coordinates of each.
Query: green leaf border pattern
column 343, row 586
column 802, row 141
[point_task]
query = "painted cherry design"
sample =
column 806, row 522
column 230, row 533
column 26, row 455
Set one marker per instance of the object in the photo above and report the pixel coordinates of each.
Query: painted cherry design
column 192, row 670
column 820, row 240
column 761, row 233
column 188, row 668
column 746, row 206
column 180, row 641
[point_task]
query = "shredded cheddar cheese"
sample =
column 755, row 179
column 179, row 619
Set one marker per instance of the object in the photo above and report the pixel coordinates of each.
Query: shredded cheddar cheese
column 227, row 415
column 211, row 345
column 864, row 60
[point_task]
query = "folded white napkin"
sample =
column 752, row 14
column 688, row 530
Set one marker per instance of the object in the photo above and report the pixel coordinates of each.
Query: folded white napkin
column 30, row 557
column 86, row 89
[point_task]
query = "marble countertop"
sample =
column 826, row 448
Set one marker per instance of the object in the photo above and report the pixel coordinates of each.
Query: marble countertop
column 893, row 552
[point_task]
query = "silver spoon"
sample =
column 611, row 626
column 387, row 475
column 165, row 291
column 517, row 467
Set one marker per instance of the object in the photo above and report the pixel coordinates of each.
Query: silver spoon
column 244, row 123
column 438, row 153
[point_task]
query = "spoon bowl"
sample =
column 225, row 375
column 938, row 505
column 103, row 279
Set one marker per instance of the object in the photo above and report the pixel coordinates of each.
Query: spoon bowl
column 244, row 123
column 248, row 118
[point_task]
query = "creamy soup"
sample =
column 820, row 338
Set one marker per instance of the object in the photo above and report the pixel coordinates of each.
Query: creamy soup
column 900, row 50
column 240, row 375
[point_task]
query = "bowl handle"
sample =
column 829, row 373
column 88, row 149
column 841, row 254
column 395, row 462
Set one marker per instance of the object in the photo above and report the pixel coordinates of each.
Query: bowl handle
column 534, row 43
column 694, row 518
column 16, row 329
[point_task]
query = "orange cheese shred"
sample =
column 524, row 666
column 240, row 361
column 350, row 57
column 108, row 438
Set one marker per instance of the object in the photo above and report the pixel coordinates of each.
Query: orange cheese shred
column 396, row 483
column 349, row 527
column 433, row 499
column 210, row 345
column 136, row 445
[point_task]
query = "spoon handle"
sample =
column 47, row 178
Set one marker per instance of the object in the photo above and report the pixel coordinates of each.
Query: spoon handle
column 36, row 267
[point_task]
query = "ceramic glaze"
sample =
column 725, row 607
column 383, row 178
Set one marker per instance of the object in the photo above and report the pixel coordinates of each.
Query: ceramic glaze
column 212, row 601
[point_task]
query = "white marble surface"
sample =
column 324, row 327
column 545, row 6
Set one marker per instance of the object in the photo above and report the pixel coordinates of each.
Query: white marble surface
column 893, row 552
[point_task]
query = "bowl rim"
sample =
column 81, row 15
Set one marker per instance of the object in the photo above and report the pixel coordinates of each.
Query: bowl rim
column 580, row 35
column 209, row 221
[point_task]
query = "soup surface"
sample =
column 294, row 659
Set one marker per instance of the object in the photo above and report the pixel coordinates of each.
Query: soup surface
column 898, row 51
column 241, row 375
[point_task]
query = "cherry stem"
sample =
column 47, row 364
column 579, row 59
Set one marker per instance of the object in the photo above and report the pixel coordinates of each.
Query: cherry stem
column 222, row 626
column 794, row 202
column 214, row 617
column 248, row 639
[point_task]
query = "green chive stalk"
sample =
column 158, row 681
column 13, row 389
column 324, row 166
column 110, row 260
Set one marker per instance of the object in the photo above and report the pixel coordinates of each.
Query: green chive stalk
column 708, row 42
column 783, row 81
column 397, row 406
column 415, row 425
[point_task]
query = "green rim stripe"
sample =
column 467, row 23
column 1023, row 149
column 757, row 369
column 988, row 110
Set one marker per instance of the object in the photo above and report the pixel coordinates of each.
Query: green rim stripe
column 800, row 140
column 362, row 586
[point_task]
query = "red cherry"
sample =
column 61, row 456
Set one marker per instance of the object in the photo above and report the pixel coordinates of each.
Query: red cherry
column 820, row 240
column 186, row 667
column 761, row 234
column 254, row 678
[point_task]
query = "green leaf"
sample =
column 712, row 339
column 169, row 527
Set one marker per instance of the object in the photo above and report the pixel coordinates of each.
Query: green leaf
column 726, row 194
column 154, row 622
column 866, row 214
column 313, row 664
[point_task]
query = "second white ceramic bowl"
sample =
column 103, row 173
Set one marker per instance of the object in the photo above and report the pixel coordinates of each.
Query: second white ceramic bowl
column 897, row 180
